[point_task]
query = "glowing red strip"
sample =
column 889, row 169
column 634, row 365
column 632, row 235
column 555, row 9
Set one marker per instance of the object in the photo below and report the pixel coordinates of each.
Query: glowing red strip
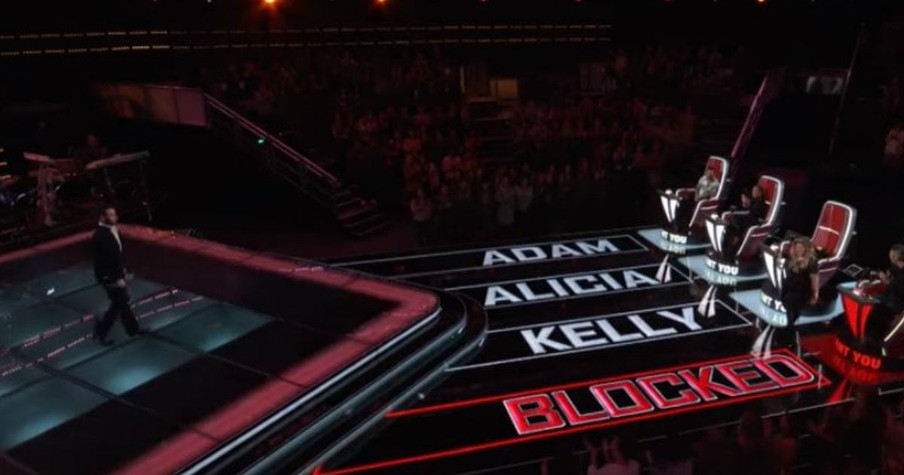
column 411, row 305
column 819, row 380
column 14, row 368
column 548, row 389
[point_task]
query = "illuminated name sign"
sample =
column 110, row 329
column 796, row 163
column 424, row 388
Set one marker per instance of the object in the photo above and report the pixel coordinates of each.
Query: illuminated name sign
column 506, row 420
column 594, row 333
column 859, row 358
column 561, row 250
column 444, row 262
column 673, row 237
column 618, row 329
column 511, row 293
column 657, row 394
column 722, row 267
column 774, row 303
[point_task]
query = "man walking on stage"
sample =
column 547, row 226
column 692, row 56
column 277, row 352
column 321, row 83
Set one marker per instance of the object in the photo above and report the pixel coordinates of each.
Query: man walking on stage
column 110, row 272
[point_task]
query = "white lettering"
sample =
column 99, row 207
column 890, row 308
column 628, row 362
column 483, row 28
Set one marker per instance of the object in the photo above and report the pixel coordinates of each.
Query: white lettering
column 561, row 250
column 613, row 334
column 573, row 284
column 634, row 279
column 557, row 287
column 529, row 294
column 527, row 254
column 602, row 246
column 576, row 333
column 647, row 330
column 540, row 342
column 610, row 281
column 601, row 331
column 491, row 258
column 496, row 294
column 686, row 318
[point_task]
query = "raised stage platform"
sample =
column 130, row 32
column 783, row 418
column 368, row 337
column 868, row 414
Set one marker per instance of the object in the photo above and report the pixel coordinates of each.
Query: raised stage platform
column 242, row 349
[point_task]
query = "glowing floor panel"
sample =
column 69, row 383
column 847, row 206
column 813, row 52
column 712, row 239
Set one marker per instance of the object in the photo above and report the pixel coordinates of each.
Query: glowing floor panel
column 208, row 375
column 52, row 328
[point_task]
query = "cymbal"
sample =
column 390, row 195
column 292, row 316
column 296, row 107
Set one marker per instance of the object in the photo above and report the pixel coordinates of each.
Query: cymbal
column 9, row 180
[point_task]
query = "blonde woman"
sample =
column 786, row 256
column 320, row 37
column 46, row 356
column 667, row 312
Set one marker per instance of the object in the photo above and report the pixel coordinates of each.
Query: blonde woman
column 801, row 284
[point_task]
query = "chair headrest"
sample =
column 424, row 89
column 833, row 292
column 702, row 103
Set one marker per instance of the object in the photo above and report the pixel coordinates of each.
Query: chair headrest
column 773, row 194
column 834, row 228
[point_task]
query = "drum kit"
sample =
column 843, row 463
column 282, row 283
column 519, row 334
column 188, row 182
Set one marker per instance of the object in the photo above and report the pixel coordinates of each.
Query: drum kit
column 60, row 187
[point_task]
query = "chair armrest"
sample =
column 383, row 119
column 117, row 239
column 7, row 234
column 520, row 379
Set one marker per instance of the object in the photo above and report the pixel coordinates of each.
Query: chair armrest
column 684, row 192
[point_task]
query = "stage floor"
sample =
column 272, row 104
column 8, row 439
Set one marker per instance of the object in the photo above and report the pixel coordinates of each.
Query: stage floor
column 595, row 333
column 260, row 347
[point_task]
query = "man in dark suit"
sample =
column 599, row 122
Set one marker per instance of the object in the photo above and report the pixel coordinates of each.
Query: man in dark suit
column 111, row 273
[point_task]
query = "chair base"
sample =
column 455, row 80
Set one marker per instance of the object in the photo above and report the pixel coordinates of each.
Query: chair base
column 864, row 354
column 716, row 262
column 772, row 298
column 686, row 237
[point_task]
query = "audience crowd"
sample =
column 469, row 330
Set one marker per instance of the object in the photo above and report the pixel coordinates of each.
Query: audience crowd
column 864, row 436
column 893, row 107
column 404, row 134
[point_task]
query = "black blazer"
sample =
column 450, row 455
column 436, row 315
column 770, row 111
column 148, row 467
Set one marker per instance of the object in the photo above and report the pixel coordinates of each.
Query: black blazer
column 108, row 266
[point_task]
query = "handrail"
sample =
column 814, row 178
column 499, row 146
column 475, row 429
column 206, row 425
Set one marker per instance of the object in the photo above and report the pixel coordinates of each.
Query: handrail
column 272, row 140
column 740, row 145
column 770, row 87
column 844, row 91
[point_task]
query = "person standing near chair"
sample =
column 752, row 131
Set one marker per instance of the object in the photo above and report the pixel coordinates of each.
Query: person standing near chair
column 885, row 319
column 111, row 274
column 801, row 284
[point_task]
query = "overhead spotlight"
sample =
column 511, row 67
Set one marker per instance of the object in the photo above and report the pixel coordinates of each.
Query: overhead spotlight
column 269, row 3
column 381, row 2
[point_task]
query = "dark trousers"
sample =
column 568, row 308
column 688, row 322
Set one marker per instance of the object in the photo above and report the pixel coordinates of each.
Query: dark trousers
column 119, row 308
column 794, row 303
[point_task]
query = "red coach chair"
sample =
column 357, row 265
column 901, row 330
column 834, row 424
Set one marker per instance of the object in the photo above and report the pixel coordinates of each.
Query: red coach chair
column 706, row 207
column 832, row 237
column 773, row 195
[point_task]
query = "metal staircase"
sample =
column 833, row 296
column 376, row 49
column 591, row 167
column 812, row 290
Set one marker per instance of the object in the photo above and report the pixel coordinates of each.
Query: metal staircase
column 356, row 214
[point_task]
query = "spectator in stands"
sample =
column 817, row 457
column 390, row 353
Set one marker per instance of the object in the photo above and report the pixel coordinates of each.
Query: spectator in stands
column 893, row 444
column 563, row 462
column 612, row 458
column 422, row 213
column 784, row 446
column 672, row 457
column 524, row 197
column 894, row 146
column 753, row 450
column 828, row 437
column 716, row 454
column 865, row 426
column 505, row 205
